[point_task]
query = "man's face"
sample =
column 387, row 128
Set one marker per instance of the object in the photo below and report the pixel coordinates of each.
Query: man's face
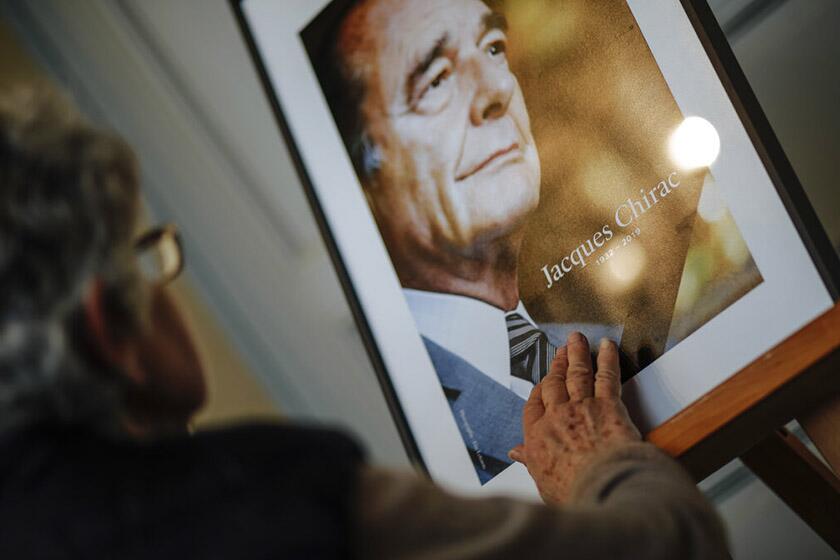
column 459, row 167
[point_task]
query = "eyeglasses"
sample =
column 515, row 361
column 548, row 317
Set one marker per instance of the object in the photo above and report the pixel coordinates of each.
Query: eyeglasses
column 160, row 254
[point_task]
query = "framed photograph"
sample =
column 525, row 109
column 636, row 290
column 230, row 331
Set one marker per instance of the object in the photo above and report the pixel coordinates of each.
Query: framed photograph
column 492, row 175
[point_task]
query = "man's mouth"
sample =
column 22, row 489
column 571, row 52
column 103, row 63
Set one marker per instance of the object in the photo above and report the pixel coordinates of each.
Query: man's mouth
column 498, row 155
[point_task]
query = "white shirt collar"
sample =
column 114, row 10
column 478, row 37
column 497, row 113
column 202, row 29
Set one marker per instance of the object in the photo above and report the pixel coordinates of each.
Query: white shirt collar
column 472, row 329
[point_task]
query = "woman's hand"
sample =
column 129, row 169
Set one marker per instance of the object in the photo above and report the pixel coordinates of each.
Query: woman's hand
column 572, row 417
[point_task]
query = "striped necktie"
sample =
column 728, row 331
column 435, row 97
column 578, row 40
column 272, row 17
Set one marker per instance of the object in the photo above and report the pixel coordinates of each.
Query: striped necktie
column 530, row 351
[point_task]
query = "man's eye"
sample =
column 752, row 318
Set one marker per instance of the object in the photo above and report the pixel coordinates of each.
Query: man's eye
column 496, row 48
column 439, row 79
column 433, row 91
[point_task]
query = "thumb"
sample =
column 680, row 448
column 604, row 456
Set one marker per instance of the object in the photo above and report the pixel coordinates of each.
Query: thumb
column 518, row 454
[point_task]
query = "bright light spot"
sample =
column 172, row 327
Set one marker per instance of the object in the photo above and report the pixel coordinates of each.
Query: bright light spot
column 694, row 144
column 626, row 266
column 711, row 207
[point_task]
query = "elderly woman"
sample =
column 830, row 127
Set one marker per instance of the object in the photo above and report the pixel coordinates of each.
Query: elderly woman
column 98, row 379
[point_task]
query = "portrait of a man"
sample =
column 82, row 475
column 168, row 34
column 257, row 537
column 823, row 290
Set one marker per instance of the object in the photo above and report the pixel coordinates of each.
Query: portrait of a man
column 437, row 127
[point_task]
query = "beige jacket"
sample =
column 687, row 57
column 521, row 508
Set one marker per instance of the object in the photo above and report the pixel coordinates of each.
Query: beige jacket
column 633, row 503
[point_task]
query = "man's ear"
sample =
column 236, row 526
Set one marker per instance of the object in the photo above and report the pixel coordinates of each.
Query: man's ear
column 116, row 351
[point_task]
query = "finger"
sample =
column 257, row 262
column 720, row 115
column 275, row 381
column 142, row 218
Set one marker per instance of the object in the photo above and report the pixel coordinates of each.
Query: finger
column 579, row 378
column 533, row 409
column 608, row 376
column 554, row 384
column 517, row 454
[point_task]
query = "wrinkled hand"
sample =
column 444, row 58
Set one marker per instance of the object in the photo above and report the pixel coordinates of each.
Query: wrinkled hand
column 572, row 417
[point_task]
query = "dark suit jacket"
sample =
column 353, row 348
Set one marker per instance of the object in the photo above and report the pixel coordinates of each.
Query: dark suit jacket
column 243, row 493
column 489, row 415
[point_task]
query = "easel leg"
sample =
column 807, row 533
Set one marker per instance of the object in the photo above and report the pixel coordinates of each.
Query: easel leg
column 823, row 427
column 801, row 480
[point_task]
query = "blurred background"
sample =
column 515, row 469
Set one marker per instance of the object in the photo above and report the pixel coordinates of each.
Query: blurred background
column 174, row 78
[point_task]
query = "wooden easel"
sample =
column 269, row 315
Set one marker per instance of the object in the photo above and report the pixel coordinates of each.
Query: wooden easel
column 745, row 417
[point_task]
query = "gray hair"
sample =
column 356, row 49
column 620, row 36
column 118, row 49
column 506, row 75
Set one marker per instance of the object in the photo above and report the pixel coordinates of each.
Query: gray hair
column 69, row 201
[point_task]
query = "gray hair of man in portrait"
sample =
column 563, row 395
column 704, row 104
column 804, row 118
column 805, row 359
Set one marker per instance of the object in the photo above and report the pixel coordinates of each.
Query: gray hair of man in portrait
column 69, row 201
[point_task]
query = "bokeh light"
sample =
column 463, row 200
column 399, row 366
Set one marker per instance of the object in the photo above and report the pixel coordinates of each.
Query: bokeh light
column 601, row 172
column 694, row 144
column 625, row 267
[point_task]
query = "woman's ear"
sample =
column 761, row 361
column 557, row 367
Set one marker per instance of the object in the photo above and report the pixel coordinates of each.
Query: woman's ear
column 116, row 351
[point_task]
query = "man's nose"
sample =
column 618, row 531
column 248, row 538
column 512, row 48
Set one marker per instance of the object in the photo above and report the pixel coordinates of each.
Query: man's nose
column 495, row 86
